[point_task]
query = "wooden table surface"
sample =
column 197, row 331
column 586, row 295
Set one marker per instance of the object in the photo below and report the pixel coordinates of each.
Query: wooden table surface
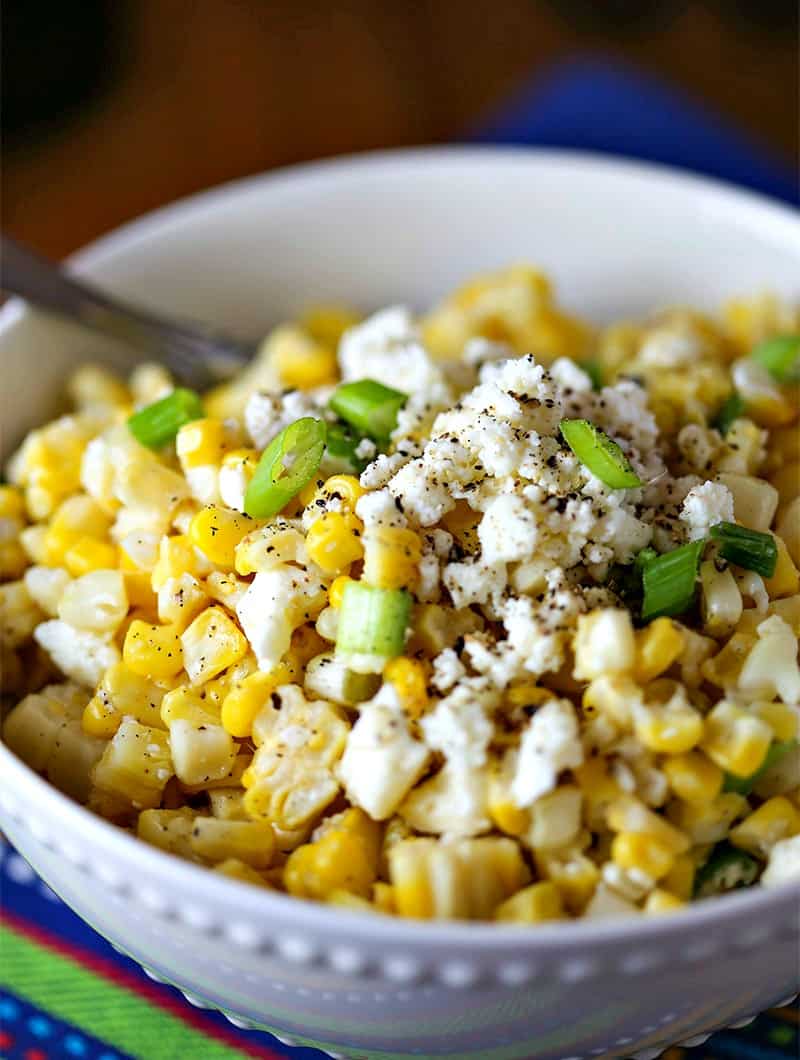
column 207, row 90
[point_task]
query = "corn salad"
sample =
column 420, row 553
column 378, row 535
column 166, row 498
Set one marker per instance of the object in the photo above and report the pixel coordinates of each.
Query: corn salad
column 486, row 614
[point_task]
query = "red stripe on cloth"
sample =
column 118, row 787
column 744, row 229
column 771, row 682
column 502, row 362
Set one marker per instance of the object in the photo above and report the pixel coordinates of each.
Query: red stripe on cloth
column 162, row 997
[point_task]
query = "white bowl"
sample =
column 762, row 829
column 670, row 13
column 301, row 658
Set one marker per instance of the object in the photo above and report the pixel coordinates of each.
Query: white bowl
column 405, row 227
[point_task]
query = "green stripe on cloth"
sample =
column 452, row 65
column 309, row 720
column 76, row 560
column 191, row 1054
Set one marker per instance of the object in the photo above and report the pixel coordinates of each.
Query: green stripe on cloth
column 101, row 1008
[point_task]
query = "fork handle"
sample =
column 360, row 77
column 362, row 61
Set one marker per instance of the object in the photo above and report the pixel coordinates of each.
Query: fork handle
column 197, row 356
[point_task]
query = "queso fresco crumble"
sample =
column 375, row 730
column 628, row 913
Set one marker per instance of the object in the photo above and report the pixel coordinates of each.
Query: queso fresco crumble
column 484, row 614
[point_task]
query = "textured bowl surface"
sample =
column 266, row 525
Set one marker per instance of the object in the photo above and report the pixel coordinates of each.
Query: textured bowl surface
column 376, row 230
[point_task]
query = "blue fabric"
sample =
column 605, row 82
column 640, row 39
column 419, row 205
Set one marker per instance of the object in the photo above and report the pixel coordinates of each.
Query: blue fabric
column 593, row 105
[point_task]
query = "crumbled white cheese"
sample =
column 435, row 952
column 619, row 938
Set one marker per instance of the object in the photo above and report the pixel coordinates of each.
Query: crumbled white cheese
column 704, row 507
column 382, row 760
column 452, row 803
column 669, row 347
column 276, row 602
column 265, row 414
column 784, row 863
column 550, row 743
column 80, row 654
column 379, row 509
column 386, row 347
column 460, row 726
column 448, row 670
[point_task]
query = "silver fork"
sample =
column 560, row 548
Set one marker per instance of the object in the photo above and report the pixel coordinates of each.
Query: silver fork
column 198, row 356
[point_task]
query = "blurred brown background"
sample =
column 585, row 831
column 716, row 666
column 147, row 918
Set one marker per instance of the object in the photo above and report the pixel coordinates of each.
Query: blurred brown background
column 112, row 107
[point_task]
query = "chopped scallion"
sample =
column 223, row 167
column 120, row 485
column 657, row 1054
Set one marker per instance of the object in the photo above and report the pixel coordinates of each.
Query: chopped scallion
column 602, row 456
column 368, row 406
column 727, row 869
column 751, row 549
column 594, row 370
column 286, row 465
column 157, row 424
column 372, row 622
column 744, row 785
column 669, row 581
column 732, row 408
column 343, row 442
column 780, row 356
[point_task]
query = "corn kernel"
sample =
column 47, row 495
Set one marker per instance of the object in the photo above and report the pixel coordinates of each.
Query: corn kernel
column 628, row 814
column 246, row 698
column 735, row 739
column 693, row 777
column 575, row 875
column 12, row 504
column 300, row 361
column 334, row 541
column 251, row 842
column 788, row 527
column 786, row 580
column 200, row 443
column 707, row 822
column 391, row 557
column 662, row 901
column 774, row 820
column 122, row 693
column 657, row 648
column 644, row 853
column 76, row 518
column 410, row 681
column 135, row 764
column 346, row 489
column 176, row 556
column 532, row 905
column 603, row 644
column 327, row 323
column 153, row 651
column 216, row 531
column 188, row 704
column 599, row 788
column 344, row 857
column 668, row 728
column 336, row 590
column 680, row 878
column 754, row 500
column 88, row 554
column 211, row 643
column 782, row 718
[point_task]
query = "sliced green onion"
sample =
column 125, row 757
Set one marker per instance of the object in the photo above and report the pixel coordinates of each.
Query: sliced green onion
column 157, row 424
column 744, row 785
column 372, row 621
column 286, row 465
column 342, row 443
column 368, row 406
column 780, row 356
column 594, row 370
column 727, row 869
column 669, row 581
column 599, row 454
column 751, row 549
column 647, row 555
column 732, row 408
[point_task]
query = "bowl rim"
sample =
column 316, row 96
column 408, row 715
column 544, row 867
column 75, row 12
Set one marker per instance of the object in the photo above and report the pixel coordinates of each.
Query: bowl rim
column 187, row 878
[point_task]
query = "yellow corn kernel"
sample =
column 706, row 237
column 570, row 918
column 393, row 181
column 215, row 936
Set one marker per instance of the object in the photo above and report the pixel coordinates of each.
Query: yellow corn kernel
column 211, row 643
column 238, row 870
column 668, row 728
column 774, row 820
column 533, row 904
column 200, row 443
column 786, row 481
column 782, row 718
column 720, row 599
column 135, row 764
column 383, row 898
column 327, row 323
column 153, row 651
column 391, row 557
column 343, row 488
column 788, row 527
column 13, row 560
column 603, row 644
column 216, row 531
column 334, row 541
column 246, row 698
column 575, row 875
column 88, row 554
column 735, row 739
column 336, row 590
column 122, row 693
column 644, row 853
column 628, row 814
column 786, row 579
column 707, row 822
column 754, row 500
column 251, row 842
column 612, row 695
column 680, row 878
column 188, row 704
column 344, row 857
column 662, row 901
column 410, row 681
column 12, row 503
column 76, row 518
column 599, row 788
column 176, row 557
column 724, row 668
column 693, row 777
column 657, row 648
column 300, row 361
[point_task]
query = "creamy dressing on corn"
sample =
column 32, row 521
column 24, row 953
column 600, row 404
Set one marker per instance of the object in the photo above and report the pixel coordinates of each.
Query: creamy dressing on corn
column 536, row 752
